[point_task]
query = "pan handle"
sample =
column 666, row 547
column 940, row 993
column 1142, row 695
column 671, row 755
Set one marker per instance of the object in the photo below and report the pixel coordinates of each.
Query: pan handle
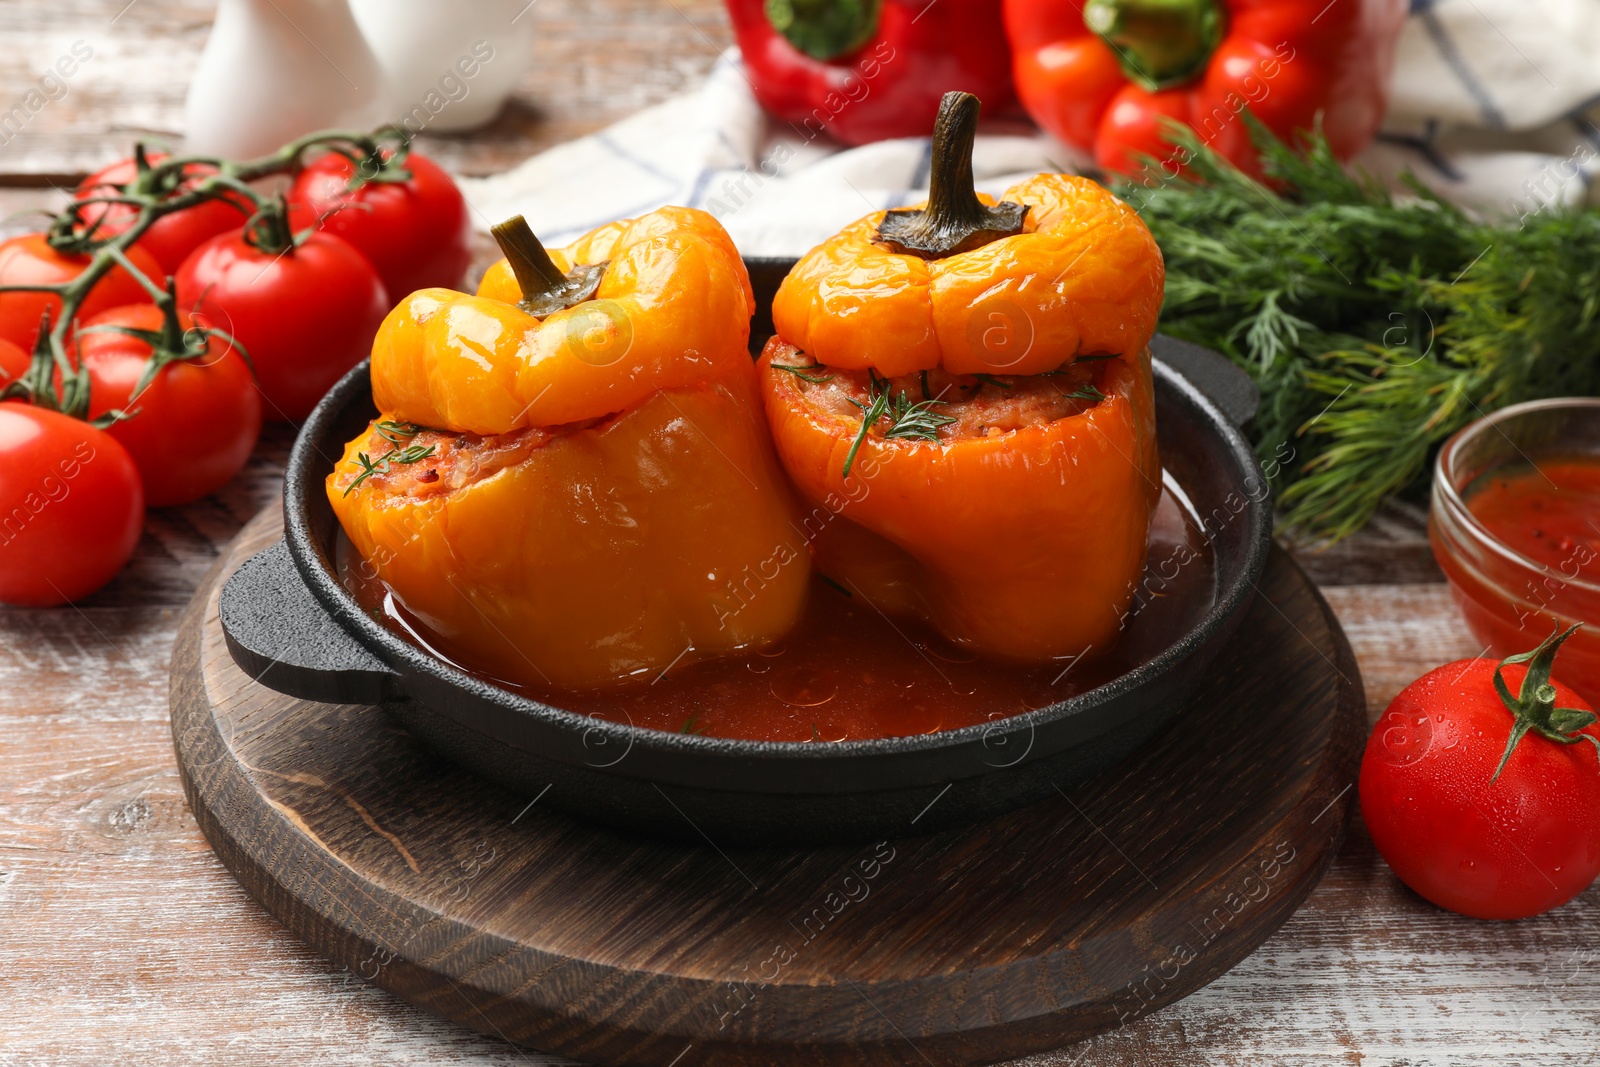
column 1214, row 374
column 280, row 635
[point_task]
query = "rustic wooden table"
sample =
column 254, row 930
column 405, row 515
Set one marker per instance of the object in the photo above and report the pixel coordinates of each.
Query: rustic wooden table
column 125, row 941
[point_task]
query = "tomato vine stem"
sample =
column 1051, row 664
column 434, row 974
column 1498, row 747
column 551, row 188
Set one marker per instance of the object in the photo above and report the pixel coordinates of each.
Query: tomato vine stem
column 158, row 190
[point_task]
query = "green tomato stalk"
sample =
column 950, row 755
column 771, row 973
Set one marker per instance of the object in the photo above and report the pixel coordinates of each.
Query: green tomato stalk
column 1534, row 709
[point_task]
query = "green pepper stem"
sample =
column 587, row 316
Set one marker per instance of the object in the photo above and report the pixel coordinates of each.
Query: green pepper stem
column 955, row 220
column 537, row 274
column 825, row 29
column 1160, row 44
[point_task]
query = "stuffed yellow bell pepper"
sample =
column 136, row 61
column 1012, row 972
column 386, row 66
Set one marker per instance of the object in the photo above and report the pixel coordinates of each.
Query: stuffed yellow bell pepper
column 571, row 481
column 963, row 393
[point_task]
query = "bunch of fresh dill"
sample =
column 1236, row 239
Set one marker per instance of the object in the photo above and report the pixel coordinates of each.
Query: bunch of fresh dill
column 1375, row 326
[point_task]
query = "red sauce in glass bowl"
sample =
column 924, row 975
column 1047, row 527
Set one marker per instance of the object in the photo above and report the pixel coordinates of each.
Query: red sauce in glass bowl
column 1549, row 512
column 847, row 672
column 1529, row 560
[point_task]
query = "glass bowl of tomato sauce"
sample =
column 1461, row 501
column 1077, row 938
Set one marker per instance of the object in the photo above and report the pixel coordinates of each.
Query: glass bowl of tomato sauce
column 1515, row 525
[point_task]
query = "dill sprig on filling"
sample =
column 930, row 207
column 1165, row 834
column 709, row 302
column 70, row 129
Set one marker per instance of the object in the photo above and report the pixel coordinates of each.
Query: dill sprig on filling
column 397, row 434
column 800, row 372
column 908, row 420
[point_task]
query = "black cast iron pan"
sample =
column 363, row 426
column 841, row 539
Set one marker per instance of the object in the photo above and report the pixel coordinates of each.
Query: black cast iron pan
column 291, row 624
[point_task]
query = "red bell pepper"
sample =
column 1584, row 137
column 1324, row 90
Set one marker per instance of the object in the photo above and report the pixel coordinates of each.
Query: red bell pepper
column 1102, row 76
column 867, row 70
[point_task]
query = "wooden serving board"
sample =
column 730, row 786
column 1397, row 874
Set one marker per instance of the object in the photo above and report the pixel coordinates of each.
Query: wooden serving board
column 1046, row 926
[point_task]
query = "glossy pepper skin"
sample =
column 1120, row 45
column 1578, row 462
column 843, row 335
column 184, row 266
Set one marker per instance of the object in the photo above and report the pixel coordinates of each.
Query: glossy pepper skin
column 1014, row 520
column 670, row 310
column 1202, row 62
column 1083, row 278
column 1026, row 545
column 601, row 500
column 898, row 58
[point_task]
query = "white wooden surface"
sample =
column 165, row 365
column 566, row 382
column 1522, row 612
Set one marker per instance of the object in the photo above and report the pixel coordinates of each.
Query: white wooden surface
column 125, row 941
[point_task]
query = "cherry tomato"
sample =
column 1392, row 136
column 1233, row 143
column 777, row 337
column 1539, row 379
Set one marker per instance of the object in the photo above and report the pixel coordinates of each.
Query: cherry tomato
column 171, row 238
column 303, row 316
column 29, row 260
column 417, row 233
column 71, row 507
column 193, row 427
column 1492, row 848
column 14, row 362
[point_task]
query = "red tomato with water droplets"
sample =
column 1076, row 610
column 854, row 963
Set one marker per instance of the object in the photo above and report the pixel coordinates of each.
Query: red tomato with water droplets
column 1493, row 848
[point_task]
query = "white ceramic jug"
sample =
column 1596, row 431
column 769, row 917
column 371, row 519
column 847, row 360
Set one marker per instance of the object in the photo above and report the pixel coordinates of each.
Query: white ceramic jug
column 274, row 70
column 449, row 66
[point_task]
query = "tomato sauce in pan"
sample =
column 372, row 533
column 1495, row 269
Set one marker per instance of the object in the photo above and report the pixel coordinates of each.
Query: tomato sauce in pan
column 847, row 672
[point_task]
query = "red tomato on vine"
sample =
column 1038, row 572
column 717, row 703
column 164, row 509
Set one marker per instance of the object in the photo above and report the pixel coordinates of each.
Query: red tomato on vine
column 13, row 362
column 71, row 507
column 1482, row 801
column 303, row 310
column 193, row 424
column 29, row 260
column 171, row 238
column 416, row 232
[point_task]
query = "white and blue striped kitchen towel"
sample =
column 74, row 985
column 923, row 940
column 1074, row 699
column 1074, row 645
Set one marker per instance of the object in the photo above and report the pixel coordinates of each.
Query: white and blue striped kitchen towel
column 1494, row 105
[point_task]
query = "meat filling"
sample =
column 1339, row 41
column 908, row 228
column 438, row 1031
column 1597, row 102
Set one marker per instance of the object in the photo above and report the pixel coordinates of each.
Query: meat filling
column 974, row 405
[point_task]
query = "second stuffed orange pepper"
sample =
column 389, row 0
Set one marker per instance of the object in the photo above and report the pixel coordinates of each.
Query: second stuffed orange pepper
column 571, row 481
column 963, row 393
